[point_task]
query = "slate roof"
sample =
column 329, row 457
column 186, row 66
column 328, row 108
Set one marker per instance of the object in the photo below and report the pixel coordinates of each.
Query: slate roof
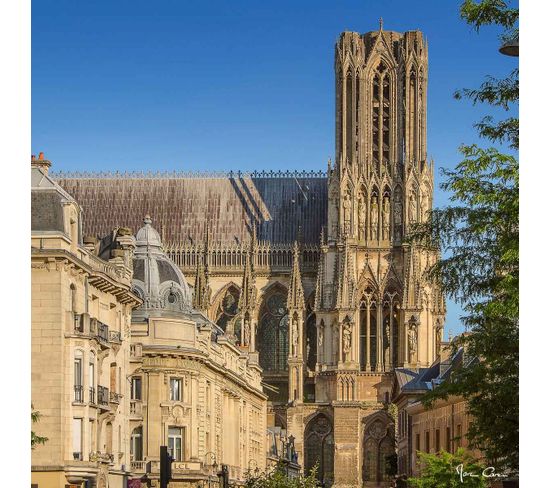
column 282, row 206
column 47, row 200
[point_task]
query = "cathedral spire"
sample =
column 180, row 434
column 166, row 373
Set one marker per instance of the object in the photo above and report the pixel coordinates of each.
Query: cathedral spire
column 295, row 298
column 202, row 292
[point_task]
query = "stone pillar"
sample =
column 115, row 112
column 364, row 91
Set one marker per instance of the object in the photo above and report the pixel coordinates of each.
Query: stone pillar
column 346, row 447
column 367, row 345
column 379, row 335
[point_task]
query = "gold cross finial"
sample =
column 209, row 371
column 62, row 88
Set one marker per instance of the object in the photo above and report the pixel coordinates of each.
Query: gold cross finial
column 381, row 21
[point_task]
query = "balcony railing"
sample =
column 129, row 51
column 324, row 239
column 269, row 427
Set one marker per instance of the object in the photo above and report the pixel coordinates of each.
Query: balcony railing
column 103, row 395
column 92, row 395
column 102, row 332
column 114, row 397
column 114, row 336
column 138, row 466
column 135, row 407
column 78, row 393
column 103, row 457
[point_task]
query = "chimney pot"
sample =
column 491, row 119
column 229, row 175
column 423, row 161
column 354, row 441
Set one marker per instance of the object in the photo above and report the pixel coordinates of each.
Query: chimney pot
column 41, row 155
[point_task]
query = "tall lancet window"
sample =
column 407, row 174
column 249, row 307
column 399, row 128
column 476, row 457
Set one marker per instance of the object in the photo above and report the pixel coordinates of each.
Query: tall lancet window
column 381, row 118
column 413, row 110
column 349, row 115
column 357, row 115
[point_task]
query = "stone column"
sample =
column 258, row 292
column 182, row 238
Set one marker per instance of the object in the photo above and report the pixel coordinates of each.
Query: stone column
column 367, row 345
column 379, row 335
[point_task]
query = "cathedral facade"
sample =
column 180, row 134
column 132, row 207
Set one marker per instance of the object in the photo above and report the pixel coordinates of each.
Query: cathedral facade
column 311, row 271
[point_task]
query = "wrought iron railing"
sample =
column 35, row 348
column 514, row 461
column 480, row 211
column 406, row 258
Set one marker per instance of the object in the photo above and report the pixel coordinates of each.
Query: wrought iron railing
column 92, row 395
column 78, row 393
column 102, row 395
column 102, row 332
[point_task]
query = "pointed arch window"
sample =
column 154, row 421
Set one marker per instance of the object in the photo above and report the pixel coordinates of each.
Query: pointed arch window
column 228, row 307
column 378, row 452
column 319, row 449
column 273, row 333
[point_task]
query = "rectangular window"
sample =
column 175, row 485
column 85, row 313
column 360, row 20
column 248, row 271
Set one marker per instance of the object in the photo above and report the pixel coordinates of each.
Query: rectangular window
column 77, row 439
column 136, row 388
column 448, row 438
column 427, row 441
column 78, row 396
column 437, row 441
column 175, row 389
column 175, row 443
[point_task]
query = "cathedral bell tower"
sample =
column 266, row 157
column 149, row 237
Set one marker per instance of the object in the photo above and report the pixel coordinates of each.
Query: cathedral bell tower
column 375, row 309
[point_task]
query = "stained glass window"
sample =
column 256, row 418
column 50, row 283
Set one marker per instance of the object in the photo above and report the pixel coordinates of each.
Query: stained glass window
column 273, row 334
column 228, row 308
column 319, row 449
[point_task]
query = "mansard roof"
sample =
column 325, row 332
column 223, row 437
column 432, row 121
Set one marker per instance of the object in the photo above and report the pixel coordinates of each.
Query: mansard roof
column 186, row 204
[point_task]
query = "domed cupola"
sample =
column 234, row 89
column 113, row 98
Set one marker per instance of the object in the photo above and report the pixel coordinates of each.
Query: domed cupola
column 157, row 280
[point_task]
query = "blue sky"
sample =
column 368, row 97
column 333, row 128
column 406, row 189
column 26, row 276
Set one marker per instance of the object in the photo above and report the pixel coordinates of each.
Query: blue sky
column 169, row 85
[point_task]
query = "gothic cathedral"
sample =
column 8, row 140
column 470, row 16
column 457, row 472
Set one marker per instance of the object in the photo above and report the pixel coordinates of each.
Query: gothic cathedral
column 311, row 272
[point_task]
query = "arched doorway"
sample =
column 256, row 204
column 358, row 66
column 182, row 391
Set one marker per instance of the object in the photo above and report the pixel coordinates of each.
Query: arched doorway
column 319, row 449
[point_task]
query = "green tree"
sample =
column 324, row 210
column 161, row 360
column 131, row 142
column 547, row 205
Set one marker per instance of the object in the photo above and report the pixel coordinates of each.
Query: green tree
column 36, row 439
column 278, row 478
column 444, row 470
column 479, row 236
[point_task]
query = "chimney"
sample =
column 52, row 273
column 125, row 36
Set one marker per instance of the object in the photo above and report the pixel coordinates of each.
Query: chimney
column 40, row 162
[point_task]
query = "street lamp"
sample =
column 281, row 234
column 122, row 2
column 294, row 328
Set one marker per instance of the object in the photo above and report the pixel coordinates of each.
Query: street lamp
column 510, row 47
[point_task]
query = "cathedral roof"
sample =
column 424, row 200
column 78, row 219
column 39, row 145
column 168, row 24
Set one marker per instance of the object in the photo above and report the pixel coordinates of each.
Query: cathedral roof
column 185, row 205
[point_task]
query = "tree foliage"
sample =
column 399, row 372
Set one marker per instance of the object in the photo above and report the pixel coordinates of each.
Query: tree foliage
column 35, row 438
column 479, row 236
column 278, row 478
column 440, row 470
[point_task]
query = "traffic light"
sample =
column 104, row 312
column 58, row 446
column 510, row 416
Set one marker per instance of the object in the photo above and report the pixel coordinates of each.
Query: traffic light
column 165, row 467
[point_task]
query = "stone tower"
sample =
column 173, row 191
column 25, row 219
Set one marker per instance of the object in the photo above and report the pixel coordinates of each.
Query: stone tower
column 374, row 308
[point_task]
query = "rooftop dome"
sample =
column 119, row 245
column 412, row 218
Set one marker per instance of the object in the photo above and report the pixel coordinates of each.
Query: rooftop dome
column 157, row 279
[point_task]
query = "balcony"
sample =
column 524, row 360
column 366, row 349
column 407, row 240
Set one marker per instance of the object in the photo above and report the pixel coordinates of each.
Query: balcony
column 115, row 397
column 78, row 323
column 102, row 332
column 103, row 396
column 78, row 394
column 136, row 408
column 138, row 466
column 91, row 397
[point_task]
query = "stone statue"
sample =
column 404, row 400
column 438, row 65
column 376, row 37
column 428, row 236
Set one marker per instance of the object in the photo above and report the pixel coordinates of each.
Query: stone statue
column 346, row 340
column 374, row 219
column 386, row 218
column 295, row 334
column 246, row 332
column 321, row 335
column 412, row 337
column 362, row 214
column 412, row 208
column 387, row 343
column 347, row 211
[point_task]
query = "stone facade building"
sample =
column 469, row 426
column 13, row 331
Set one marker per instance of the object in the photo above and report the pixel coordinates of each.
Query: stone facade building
column 81, row 310
column 311, row 270
column 192, row 389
